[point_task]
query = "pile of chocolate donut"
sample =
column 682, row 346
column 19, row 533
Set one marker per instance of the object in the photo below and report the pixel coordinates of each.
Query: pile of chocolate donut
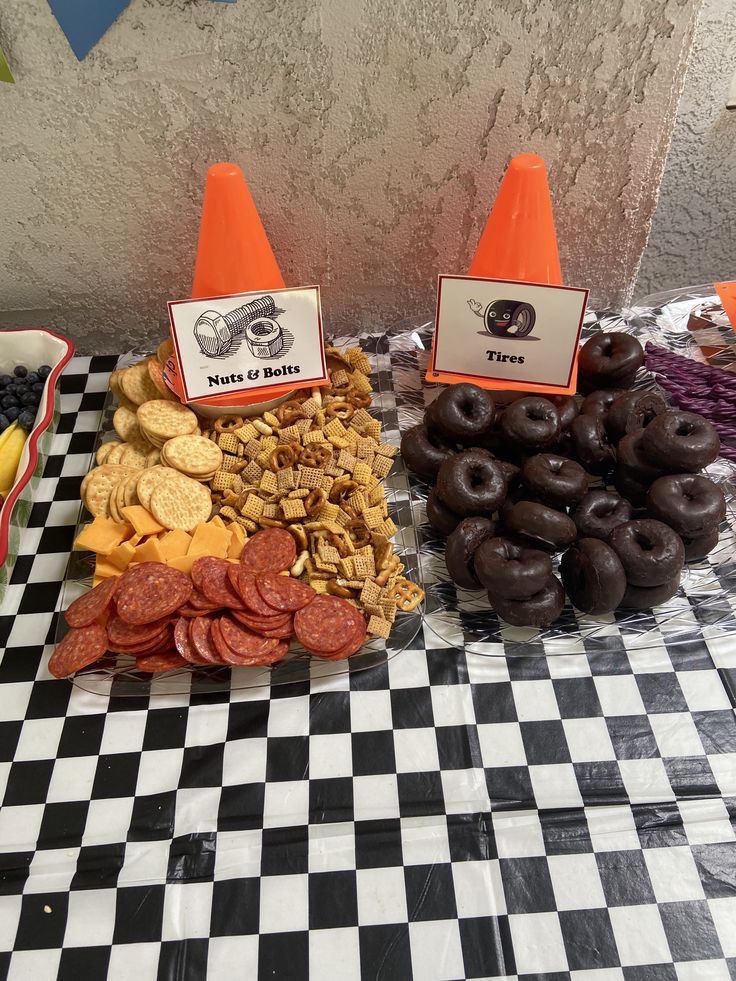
column 512, row 487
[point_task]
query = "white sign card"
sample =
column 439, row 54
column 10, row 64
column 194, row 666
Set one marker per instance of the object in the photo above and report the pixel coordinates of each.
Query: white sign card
column 237, row 344
column 507, row 332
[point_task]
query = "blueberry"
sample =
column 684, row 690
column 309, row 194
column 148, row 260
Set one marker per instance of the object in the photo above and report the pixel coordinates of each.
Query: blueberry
column 20, row 371
column 11, row 389
column 39, row 387
column 26, row 419
column 44, row 371
column 32, row 377
column 12, row 413
column 7, row 401
column 29, row 398
column 5, row 380
column 4, row 423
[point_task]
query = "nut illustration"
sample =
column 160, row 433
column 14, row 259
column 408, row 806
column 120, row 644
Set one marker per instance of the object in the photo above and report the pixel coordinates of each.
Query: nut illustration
column 265, row 337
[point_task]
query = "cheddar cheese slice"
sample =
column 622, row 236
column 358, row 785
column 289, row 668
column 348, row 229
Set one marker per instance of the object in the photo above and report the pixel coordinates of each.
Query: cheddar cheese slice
column 103, row 535
column 143, row 522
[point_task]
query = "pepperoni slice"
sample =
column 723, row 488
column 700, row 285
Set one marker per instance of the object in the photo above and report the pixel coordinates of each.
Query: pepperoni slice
column 183, row 643
column 210, row 577
column 327, row 624
column 269, row 550
column 199, row 601
column 347, row 651
column 80, row 647
column 158, row 663
column 252, row 598
column 88, row 608
column 151, row 591
column 190, row 612
column 283, row 593
column 126, row 635
column 262, row 625
column 286, row 632
column 243, row 641
column 199, row 634
column 270, row 657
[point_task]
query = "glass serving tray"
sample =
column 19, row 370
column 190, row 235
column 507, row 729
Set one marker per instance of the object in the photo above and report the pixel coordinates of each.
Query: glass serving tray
column 115, row 674
column 704, row 607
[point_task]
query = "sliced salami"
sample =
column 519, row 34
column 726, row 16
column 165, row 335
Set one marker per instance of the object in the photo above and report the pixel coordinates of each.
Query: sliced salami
column 252, row 598
column 210, row 577
column 223, row 651
column 199, row 634
column 347, row 650
column 88, row 608
column 80, row 647
column 199, row 601
column 127, row 635
column 285, row 632
column 159, row 663
column 284, row 593
column 243, row 641
column 278, row 653
column 327, row 624
column 259, row 624
column 151, row 591
column 183, row 643
column 269, row 550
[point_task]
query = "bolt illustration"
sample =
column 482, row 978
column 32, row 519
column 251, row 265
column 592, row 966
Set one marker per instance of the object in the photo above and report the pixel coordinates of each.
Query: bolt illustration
column 214, row 332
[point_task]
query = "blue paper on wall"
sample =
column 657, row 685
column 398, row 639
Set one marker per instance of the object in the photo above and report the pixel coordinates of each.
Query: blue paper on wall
column 85, row 21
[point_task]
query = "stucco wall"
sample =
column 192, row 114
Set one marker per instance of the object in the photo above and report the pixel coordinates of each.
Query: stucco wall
column 373, row 134
column 693, row 238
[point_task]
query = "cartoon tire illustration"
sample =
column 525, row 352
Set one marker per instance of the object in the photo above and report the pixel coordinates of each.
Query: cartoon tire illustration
column 509, row 318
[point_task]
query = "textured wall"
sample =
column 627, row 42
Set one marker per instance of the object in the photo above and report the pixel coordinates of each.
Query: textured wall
column 693, row 238
column 373, row 133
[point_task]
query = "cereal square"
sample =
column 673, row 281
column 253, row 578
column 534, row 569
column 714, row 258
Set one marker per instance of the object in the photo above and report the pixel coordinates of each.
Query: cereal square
column 228, row 443
column 373, row 517
column 293, row 508
column 268, row 482
column 370, row 594
column 253, row 507
column 222, row 480
column 361, row 472
column 364, row 566
column 310, row 477
column 379, row 627
column 246, row 433
column 286, row 479
column 381, row 465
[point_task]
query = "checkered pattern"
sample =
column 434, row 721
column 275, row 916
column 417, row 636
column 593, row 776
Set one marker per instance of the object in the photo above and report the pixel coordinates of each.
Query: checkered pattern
column 442, row 816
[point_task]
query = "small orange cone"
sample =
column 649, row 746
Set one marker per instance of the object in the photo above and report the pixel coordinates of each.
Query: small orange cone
column 519, row 240
column 233, row 254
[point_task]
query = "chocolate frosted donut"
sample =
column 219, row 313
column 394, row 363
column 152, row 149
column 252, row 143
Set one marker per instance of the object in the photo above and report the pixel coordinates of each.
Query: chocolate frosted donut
column 442, row 519
column 683, row 441
column 567, row 408
column 593, row 576
column 532, row 423
column 510, row 471
column 599, row 402
column 630, row 454
column 463, row 412
column 461, row 546
column 471, row 482
column 629, row 486
column 650, row 551
column 632, row 411
column 697, row 548
column 422, row 453
column 540, row 610
column 554, row 479
column 689, row 503
column 599, row 512
column 541, row 525
column 646, row 597
column 592, row 446
column 511, row 571
column 609, row 360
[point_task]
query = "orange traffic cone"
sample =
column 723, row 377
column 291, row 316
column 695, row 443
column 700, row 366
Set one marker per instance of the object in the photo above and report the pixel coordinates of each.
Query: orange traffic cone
column 233, row 254
column 519, row 240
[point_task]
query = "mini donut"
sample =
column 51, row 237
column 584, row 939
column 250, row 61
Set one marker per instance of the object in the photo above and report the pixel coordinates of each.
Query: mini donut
column 431, row 424
column 510, row 471
column 632, row 411
column 609, row 360
column 593, row 576
column 461, row 547
column 646, row 597
column 630, row 454
column 522, row 493
column 463, row 412
column 511, row 571
column 532, row 423
column 471, row 482
column 697, row 548
column 599, row 512
column 592, row 445
column 681, row 440
column 554, row 479
column 541, row 525
column 690, row 503
column 630, row 486
column 650, row 551
column 567, row 408
column 422, row 453
column 540, row 610
column 599, row 402
column 442, row 519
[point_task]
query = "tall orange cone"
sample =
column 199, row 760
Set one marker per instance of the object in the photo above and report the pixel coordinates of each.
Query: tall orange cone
column 519, row 240
column 233, row 254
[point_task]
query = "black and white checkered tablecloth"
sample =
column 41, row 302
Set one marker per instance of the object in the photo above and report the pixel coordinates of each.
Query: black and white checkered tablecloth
column 445, row 816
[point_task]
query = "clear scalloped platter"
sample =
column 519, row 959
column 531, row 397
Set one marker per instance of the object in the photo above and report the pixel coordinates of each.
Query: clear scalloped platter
column 115, row 674
column 703, row 608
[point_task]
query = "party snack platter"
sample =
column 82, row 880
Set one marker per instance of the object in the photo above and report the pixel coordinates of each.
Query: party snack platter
column 117, row 674
column 703, row 608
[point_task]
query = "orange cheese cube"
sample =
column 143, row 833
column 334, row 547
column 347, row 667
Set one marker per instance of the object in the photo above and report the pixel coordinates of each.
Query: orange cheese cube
column 149, row 551
column 183, row 563
column 105, row 569
column 235, row 548
column 143, row 522
column 174, row 543
column 102, row 535
column 122, row 555
column 217, row 521
column 208, row 539
column 237, row 531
